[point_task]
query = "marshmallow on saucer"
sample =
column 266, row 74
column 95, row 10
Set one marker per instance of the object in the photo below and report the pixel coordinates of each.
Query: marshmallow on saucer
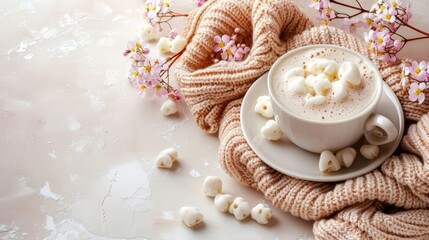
column 271, row 130
column 263, row 106
column 346, row 156
column 370, row 151
column 328, row 162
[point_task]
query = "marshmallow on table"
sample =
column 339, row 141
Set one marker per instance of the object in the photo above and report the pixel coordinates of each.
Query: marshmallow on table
column 212, row 186
column 261, row 213
column 369, row 151
column 222, row 202
column 263, row 106
column 271, row 130
column 349, row 72
column 346, row 156
column 166, row 158
column 177, row 44
column 147, row 33
column 169, row 107
column 191, row 216
column 328, row 162
column 239, row 208
column 164, row 45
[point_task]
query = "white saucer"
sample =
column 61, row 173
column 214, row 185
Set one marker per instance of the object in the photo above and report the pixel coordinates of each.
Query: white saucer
column 287, row 158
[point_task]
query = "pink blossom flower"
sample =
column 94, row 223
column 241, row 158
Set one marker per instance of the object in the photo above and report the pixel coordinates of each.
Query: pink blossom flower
column 134, row 74
column 395, row 3
column 370, row 20
column 419, row 71
column 370, row 36
column 175, row 95
column 135, row 47
column 383, row 40
column 241, row 53
column 316, row 4
column 388, row 57
column 159, row 65
column 351, row 24
column 160, row 89
column 201, row 2
column 164, row 5
column 324, row 20
column 229, row 52
column 407, row 14
column 146, row 89
column 329, row 13
column 404, row 75
column 221, row 42
column 173, row 33
column 388, row 15
column 397, row 44
column 416, row 92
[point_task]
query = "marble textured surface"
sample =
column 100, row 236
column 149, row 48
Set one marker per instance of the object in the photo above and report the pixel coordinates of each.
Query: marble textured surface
column 78, row 145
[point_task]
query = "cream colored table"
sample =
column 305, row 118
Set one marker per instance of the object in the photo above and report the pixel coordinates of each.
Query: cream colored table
column 77, row 144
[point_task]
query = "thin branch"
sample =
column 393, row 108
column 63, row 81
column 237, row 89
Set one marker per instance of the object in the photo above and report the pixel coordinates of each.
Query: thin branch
column 349, row 6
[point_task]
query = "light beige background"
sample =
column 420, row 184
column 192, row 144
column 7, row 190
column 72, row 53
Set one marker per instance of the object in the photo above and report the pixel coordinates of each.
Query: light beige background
column 77, row 144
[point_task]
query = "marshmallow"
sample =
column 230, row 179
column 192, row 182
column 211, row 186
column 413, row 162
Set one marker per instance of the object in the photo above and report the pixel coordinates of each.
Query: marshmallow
column 166, row 158
column 190, row 216
column 164, row 45
column 178, row 44
column 328, row 162
column 349, row 72
column 326, row 66
column 261, row 213
column 164, row 161
column 294, row 72
column 263, row 107
column 320, row 84
column 172, row 152
column 147, row 33
column 297, row 84
column 169, row 107
column 271, row 130
column 346, row 156
column 212, row 186
column 315, row 100
column 222, row 202
column 339, row 91
column 239, row 208
column 369, row 151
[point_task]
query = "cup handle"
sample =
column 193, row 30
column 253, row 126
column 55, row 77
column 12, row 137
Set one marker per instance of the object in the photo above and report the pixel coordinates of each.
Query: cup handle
column 380, row 130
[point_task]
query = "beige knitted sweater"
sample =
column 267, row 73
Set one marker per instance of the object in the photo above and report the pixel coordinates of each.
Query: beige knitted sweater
column 391, row 202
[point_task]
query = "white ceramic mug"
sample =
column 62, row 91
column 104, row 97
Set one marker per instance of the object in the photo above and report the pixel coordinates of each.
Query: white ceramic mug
column 317, row 136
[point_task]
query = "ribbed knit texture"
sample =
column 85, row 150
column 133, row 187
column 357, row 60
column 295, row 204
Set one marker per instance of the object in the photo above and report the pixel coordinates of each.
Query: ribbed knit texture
column 391, row 202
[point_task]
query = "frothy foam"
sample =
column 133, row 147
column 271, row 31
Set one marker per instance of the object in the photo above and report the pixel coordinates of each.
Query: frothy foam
column 358, row 97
